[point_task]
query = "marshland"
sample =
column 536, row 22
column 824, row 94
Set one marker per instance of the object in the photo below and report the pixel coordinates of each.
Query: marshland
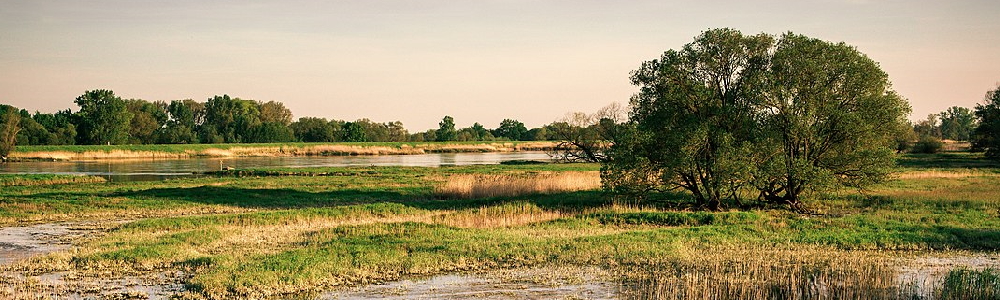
column 552, row 150
column 297, row 235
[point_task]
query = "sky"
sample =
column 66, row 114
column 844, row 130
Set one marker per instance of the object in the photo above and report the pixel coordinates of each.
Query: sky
column 475, row 60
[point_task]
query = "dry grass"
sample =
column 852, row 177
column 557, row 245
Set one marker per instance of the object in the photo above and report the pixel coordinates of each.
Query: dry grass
column 28, row 181
column 112, row 154
column 944, row 174
column 759, row 272
column 20, row 289
column 286, row 150
column 511, row 185
column 505, row 215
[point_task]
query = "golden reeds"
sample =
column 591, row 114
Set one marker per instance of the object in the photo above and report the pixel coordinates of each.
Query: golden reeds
column 50, row 181
column 944, row 174
column 510, row 185
column 766, row 272
column 287, row 150
column 505, row 215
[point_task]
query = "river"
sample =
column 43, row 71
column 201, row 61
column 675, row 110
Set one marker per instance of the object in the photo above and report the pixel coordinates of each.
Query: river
column 158, row 169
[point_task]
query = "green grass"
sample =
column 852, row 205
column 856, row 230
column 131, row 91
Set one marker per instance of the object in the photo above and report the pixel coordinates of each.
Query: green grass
column 45, row 179
column 970, row 284
column 953, row 160
column 267, row 236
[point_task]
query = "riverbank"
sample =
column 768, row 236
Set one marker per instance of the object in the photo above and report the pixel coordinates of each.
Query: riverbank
column 94, row 152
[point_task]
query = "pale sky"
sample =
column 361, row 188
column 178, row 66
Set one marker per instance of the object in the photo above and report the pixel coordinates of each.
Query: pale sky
column 476, row 60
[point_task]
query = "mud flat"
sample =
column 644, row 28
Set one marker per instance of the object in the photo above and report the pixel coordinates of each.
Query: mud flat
column 551, row 282
column 18, row 243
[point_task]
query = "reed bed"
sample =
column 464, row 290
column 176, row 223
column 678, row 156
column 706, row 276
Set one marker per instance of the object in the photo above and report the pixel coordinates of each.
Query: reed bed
column 504, row 215
column 512, row 185
column 275, row 150
column 45, row 179
column 757, row 272
column 88, row 155
column 944, row 174
column 970, row 284
column 19, row 289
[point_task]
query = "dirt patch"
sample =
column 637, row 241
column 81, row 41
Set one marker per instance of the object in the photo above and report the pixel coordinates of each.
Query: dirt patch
column 553, row 282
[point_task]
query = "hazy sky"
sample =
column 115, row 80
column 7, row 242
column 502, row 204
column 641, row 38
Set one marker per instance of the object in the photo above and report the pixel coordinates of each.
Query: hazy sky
column 476, row 60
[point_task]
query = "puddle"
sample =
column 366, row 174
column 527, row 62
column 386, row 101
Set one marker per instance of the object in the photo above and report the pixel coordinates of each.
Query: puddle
column 534, row 283
column 926, row 273
column 18, row 243
column 66, row 285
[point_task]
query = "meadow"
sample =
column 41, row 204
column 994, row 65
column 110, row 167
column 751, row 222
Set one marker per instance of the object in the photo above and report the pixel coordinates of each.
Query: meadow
column 279, row 233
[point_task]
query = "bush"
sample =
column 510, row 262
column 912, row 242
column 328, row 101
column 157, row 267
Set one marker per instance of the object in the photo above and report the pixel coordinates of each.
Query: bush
column 927, row 144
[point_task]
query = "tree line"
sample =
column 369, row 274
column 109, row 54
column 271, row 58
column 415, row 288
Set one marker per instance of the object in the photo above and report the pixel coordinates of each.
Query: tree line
column 928, row 135
column 105, row 118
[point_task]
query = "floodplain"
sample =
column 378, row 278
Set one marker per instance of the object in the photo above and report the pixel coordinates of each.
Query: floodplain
column 356, row 232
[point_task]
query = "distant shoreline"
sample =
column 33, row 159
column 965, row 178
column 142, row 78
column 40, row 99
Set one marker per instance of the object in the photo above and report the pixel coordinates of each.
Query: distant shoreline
column 97, row 152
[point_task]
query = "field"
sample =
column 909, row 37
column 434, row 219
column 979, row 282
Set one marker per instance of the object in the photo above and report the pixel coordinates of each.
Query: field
column 304, row 232
column 87, row 152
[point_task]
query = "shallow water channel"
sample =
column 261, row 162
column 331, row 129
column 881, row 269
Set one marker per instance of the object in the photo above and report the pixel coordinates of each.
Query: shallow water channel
column 158, row 169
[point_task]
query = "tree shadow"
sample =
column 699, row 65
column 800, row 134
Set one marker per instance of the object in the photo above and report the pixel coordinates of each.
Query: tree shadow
column 987, row 239
column 291, row 198
column 267, row 198
column 947, row 161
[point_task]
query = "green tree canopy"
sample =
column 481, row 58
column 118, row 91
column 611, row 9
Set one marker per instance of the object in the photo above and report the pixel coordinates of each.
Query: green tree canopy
column 147, row 120
column 230, row 120
column 10, row 125
column 957, row 123
column 104, row 118
column 784, row 115
column 833, row 113
column 446, row 130
column 354, row 132
column 310, row 129
column 511, row 129
column 987, row 135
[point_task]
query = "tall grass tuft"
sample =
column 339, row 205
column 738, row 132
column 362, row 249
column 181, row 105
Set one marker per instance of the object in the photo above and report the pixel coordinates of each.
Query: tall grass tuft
column 970, row 284
column 511, row 185
column 504, row 215
column 765, row 273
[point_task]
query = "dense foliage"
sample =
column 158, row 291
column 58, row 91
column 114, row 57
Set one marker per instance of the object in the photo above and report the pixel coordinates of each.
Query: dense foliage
column 104, row 118
column 987, row 135
column 779, row 115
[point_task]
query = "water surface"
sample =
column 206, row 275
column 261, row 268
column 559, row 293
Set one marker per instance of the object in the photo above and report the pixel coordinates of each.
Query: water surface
column 157, row 169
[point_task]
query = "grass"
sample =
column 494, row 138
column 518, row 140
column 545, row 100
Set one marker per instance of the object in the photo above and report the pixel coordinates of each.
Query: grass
column 45, row 179
column 970, row 284
column 258, row 235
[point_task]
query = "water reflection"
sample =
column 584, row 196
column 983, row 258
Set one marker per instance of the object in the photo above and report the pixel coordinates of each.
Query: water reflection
column 158, row 169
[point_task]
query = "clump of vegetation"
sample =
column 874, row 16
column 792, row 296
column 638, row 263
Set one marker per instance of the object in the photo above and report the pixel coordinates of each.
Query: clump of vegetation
column 765, row 273
column 970, row 284
column 927, row 145
column 486, row 186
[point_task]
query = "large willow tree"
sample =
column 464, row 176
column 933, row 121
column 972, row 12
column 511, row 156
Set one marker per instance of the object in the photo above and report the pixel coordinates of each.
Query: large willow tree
column 730, row 112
